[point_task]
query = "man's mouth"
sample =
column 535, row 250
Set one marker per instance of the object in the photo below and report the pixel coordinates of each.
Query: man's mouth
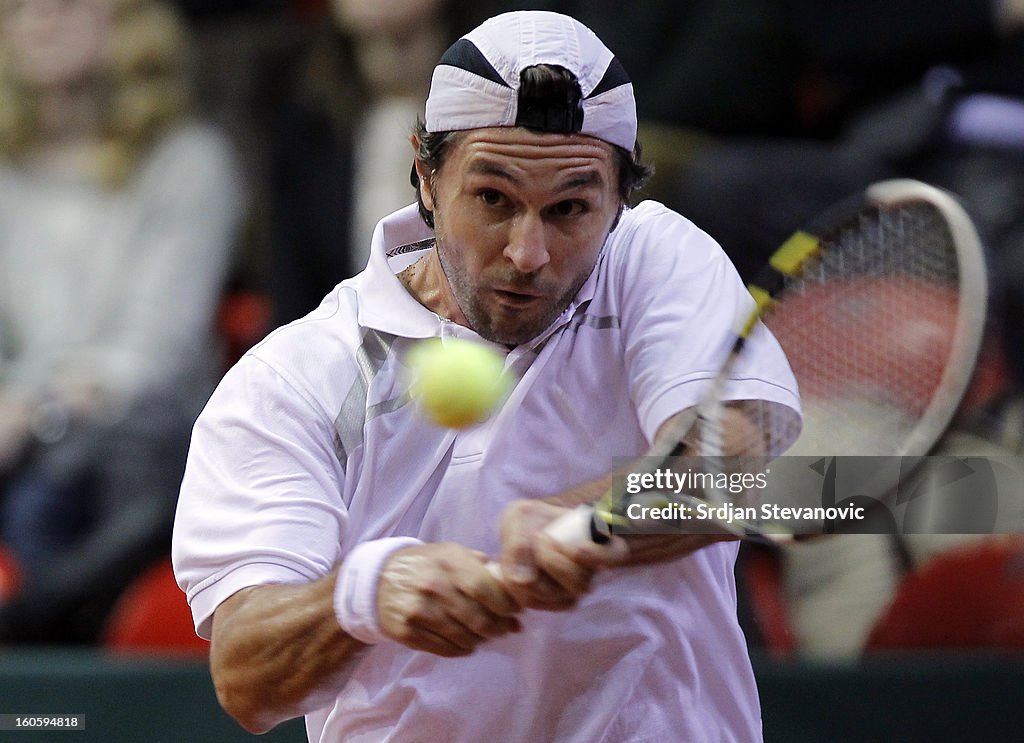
column 516, row 299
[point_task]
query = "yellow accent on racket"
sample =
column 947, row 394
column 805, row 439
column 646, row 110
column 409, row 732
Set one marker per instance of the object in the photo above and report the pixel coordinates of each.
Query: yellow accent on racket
column 791, row 256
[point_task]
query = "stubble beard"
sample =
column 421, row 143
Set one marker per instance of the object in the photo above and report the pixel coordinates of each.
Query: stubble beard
column 495, row 324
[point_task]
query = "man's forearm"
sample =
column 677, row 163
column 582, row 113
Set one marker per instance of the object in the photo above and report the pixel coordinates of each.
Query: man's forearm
column 644, row 549
column 278, row 652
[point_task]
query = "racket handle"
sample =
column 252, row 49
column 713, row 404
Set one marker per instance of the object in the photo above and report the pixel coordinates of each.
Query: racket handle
column 576, row 527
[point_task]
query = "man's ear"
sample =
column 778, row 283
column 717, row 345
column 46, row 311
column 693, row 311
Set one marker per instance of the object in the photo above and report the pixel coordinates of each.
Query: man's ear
column 423, row 178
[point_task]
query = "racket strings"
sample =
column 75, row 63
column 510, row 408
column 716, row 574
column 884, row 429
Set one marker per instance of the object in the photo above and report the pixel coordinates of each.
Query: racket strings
column 869, row 327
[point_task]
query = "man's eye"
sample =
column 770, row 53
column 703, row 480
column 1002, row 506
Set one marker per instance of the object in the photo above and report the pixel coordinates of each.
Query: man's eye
column 569, row 208
column 491, row 198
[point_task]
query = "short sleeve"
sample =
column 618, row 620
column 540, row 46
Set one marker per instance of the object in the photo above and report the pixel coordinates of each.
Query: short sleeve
column 680, row 299
column 261, row 497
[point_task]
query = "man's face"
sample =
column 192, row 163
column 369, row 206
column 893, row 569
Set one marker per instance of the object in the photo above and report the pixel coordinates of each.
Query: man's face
column 56, row 43
column 520, row 218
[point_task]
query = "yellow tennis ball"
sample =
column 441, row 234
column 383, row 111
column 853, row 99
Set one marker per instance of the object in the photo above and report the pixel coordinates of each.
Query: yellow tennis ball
column 457, row 383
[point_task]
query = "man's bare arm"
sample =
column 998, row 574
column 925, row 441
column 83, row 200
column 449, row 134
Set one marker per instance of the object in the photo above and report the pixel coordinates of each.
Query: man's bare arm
column 278, row 651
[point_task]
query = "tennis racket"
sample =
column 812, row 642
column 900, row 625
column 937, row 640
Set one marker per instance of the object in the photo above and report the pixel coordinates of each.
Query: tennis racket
column 879, row 305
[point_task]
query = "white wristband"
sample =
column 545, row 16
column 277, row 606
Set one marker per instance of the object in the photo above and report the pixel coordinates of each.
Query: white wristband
column 355, row 591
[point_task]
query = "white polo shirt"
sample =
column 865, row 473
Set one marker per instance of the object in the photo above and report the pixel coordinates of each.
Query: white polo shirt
column 310, row 447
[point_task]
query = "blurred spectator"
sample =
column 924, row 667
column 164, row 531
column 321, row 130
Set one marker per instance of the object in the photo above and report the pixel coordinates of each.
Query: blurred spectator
column 356, row 90
column 117, row 218
column 836, row 588
column 837, row 597
column 824, row 597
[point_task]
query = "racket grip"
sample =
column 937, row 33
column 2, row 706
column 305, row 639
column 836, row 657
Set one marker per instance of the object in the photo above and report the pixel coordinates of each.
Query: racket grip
column 576, row 527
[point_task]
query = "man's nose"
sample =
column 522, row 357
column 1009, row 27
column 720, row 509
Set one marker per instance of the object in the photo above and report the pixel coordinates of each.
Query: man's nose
column 527, row 244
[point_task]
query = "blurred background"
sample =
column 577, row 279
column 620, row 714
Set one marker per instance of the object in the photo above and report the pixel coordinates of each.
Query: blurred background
column 178, row 178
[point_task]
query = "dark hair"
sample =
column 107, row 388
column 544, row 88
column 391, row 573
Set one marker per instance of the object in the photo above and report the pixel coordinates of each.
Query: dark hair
column 539, row 85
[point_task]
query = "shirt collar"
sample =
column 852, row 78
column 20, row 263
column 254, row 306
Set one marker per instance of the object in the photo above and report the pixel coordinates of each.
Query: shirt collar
column 399, row 240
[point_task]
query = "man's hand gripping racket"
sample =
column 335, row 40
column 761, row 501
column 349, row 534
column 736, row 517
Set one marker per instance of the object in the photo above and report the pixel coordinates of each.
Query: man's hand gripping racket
column 879, row 304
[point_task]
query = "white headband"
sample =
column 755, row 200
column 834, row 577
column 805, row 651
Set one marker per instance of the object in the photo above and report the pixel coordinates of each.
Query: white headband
column 476, row 83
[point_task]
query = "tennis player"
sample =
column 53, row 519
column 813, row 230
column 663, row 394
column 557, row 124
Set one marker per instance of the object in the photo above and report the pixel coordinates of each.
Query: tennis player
column 333, row 543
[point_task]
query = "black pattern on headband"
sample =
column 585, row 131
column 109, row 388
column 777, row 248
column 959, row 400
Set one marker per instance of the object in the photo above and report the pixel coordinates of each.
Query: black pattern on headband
column 465, row 55
column 614, row 76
